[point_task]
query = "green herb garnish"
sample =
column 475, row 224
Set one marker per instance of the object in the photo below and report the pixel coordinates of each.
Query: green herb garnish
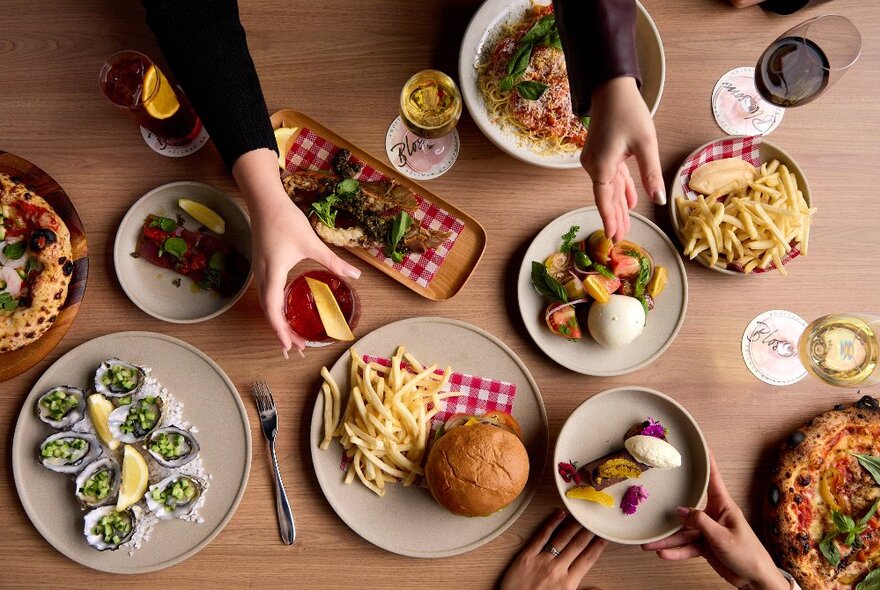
column 542, row 32
column 164, row 223
column 870, row 582
column 174, row 246
column 546, row 285
column 401, row 225
column 217, row 261
column 7, row 303
column 568, row 238
column 15, row 250
column 581, row 260
column 844, row 524
column 585, row 121
column 347, row 187
column 604, row 271
column 531, row 90
column 31, row 265
column 324, row 210
column 871, row 464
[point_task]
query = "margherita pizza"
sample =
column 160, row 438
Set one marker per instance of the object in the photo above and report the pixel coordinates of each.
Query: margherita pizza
column 824, row 525
column 35, row 265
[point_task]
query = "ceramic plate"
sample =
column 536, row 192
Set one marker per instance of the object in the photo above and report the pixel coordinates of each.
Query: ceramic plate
column 479, row 40
column 585, row 355
column 19, row 361
column 211, row 404
column 407, row 520
column 597, row 427
column 767, row 152
column 152, row 288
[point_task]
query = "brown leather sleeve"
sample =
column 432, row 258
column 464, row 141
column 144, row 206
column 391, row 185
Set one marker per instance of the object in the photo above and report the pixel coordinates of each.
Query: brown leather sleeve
column 599, row 40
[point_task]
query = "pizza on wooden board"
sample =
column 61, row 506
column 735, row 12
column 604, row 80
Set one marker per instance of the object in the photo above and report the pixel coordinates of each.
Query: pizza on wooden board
column 824, row 527
column 35, row 265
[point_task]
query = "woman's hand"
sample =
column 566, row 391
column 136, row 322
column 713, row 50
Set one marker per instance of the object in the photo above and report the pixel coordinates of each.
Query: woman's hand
column 281, row 238
column 722, row 535
column 536, row 568
column 621, row 126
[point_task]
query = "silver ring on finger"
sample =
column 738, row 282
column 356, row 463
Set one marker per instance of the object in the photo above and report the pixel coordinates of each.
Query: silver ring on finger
column 602, row 182
column 551, row 550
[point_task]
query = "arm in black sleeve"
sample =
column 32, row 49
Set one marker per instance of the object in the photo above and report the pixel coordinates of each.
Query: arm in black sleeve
column 205, row 45
column 598, row 37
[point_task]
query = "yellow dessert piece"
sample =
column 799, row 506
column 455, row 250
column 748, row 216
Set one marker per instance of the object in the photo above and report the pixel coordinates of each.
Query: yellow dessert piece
column 590, row 494
column 596, row 289
column 158, row 95
column 99, row 412
column 618, row 467
column 135, row 478
column 284, row 138
column 204, row 215
column 328, row 309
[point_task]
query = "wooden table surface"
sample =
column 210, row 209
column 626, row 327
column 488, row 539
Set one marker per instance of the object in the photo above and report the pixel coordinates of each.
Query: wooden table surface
column 344, row 66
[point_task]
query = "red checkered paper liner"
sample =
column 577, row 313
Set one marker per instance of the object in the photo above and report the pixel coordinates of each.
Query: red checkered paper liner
column 477, row 395
column 312, row 152
column 746, row 148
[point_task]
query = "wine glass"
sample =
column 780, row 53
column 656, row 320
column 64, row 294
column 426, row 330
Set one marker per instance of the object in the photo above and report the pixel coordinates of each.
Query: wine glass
column 422, row 142
column 795, row 69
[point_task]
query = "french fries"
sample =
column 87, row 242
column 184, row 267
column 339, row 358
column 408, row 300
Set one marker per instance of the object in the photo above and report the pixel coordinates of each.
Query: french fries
column 385, row 427
column 749, row 227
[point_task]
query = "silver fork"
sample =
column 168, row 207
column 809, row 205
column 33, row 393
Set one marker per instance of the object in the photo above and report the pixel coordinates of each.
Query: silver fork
column 269, row 423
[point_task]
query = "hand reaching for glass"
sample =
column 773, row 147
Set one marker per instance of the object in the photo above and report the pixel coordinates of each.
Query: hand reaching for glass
column 620, row 127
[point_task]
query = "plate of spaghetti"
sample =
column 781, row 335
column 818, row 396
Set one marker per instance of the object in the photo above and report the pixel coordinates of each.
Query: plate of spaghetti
column 515, row 83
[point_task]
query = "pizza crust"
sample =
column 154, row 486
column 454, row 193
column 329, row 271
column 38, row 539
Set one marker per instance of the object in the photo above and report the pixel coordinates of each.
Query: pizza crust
column 799, row 515
column 48, row 291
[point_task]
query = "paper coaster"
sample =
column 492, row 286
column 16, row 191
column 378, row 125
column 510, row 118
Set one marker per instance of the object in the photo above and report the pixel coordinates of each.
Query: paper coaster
column 770, row 347
column 738, row 107
column 417, row 157
column 171, row 151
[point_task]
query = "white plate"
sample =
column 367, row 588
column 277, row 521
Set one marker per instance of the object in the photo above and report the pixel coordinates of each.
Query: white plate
column 407, row 520
column 585, row 355
column 223, row 434
column 597, row 427
column 151, row 288
column 479, row 37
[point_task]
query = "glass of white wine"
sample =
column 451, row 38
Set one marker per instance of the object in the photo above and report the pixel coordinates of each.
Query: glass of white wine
column 422, row 142
column 842, row 349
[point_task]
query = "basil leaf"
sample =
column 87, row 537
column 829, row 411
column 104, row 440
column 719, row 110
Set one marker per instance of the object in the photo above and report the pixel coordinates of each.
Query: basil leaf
column 581, row 260
column 15, row 250
column 604, row 271
column 347, row 187
column 829, row 549
column 519, row 62
column 568, row 238
column 175, row 246
column 871, row 464
column 863, row 522
column 540, row 29
column 530, row 90
column 7, row 303
column 31, row 265
column 397, row 257
column 402, row 223
column 644, row 276
column 217, row 261
column 507, row 83
column 164, row 223
column 585, row 121
column 843, row 522
column 870, row 582
column 546, row 285
column 552, row 40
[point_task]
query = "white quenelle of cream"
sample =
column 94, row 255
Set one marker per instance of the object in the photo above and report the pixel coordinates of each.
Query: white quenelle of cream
column 653, row 451
column 616, row 323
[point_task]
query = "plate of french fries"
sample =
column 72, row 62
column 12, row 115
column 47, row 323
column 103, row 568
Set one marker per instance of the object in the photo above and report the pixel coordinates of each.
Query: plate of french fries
column 744, row 214
column 372, row 428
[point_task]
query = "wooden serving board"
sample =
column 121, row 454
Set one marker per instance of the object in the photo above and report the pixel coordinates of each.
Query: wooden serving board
column 18, row 361
column 461, row 260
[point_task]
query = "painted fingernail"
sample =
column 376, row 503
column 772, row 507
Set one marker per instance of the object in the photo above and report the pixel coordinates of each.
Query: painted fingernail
column 659, row 197
column 284, row 352
column 300, row 352
column 682, row 511
column 352, row 273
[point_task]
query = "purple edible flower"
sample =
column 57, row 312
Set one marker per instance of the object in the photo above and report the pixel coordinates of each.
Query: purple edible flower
column 654, row 428
column 632, row 498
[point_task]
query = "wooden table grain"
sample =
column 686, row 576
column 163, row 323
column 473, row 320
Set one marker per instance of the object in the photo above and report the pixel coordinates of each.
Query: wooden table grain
column 343, row 64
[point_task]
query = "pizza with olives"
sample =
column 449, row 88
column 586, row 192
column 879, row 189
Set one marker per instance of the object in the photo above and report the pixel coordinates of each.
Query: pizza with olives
column 35, row 265
column 824, row 524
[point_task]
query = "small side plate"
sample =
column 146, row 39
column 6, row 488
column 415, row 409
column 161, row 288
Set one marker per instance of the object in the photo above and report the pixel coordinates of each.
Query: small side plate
column 155, row 289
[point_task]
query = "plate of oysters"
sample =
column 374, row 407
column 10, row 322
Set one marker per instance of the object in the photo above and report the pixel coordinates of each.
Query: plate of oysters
column 130, row 465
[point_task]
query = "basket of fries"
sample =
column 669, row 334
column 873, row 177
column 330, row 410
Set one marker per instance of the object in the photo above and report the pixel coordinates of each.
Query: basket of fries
column 741, row 205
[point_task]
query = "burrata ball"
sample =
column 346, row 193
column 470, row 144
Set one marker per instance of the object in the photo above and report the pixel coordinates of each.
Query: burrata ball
column 616, row 323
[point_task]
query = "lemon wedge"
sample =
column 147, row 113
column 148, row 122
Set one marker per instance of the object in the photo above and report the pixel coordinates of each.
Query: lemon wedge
column 658, row 281
column 99, row 412
column 158, row 95
column 204, row 215
column 591, row 494
column 135, row 477
column 328, row 309
column 284, row 137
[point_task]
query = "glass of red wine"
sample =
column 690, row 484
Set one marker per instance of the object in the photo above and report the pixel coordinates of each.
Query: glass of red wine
column 804, row 61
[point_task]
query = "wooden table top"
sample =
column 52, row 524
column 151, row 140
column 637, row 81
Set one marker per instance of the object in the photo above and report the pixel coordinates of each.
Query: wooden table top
column 344, row 66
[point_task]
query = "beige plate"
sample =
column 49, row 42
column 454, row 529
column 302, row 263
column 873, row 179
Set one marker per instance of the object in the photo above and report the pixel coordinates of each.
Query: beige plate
column 767, row 152
column 585, row 355
column 596, row 428
column 407, row 520
column 211, row 404
column 461, row 261
column 150, row 287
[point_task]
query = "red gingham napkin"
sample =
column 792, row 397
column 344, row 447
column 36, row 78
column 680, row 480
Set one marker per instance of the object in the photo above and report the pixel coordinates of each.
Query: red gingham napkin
column 746, row 148
column 313, row 152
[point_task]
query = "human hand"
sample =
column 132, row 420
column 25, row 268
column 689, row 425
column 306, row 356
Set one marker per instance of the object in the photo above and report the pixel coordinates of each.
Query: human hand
column 621, row 126
column 281, row 237
column 724, row 538
column 535, row 568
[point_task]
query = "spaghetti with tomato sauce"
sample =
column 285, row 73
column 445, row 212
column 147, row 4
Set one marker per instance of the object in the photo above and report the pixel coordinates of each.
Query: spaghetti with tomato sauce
column 547, row 125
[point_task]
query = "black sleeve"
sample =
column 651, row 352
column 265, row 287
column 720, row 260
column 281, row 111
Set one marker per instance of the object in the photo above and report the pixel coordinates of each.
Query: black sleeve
column 784, row 6
column 599, row 40
column 206, row 48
